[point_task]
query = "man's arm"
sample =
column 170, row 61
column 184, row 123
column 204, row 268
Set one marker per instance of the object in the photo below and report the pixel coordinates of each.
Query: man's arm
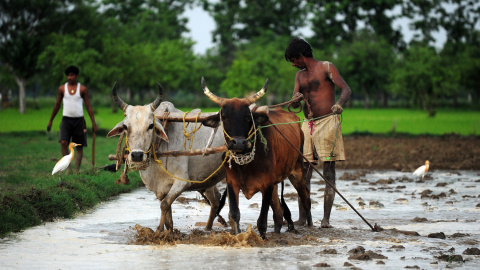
column 56, row 107
column 296, row 90
column 84, row 93
column 334, row 75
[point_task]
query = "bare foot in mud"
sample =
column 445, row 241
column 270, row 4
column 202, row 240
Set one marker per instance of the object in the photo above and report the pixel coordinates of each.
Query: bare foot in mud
column 326, row 224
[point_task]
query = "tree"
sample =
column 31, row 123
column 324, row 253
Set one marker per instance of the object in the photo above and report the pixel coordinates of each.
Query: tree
column 24, row 27
column 422, row 13
column 365, row 64
column 420, row 77
column 241, row 21
column 337, row 21
column 256, row 61
column 147, row 20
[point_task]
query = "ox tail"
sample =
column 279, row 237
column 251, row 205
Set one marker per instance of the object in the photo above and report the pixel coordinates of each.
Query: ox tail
column 222, row 203
column 286, row 211
column 220, row 207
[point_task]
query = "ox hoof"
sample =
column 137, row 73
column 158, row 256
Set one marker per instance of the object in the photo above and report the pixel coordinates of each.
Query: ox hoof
column 300, row 222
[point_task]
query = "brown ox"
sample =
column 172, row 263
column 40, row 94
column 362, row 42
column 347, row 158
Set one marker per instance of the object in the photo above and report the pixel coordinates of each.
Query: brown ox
column 258, row 167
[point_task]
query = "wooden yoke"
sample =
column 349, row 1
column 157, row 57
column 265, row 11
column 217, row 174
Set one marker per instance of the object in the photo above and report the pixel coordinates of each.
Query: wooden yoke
column 176, row 153
column 179, row 116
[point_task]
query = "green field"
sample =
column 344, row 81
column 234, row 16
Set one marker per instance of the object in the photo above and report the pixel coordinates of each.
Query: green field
column 383, row 121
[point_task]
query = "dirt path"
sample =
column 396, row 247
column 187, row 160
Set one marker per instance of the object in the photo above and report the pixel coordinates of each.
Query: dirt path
column 449, row 152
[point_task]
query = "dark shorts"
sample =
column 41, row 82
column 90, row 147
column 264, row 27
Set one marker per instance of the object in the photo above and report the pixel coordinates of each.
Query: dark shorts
column 73, row 128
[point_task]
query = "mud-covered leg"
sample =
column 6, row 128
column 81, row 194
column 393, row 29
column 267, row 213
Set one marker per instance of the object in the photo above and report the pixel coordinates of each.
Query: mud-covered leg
column 262, row 219
column 213, row 197
column 169, row 222
column 234, row 215
column 277, row 210
column 302, row 218
column 286, row 211
column 166, row 219
column 329, row 173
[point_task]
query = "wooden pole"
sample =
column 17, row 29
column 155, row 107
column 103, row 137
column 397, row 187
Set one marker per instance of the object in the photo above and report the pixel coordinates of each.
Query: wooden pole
column 179, row 116
column 176, row 153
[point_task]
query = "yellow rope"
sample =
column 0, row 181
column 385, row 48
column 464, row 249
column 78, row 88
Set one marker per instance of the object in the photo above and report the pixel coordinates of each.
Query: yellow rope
column 187, row 134
column 159, row 162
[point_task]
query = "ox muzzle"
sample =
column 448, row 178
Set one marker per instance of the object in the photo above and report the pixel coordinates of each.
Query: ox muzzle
column 238, row 144
column 138, row 160
column 137, row 156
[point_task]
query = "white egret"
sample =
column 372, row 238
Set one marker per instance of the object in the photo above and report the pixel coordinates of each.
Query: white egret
column 422, row 170
column 63, row 163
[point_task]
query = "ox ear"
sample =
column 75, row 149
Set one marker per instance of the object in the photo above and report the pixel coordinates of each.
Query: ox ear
column 261, row 118
column 117, row 130
column 160, row 131
column 212, row 121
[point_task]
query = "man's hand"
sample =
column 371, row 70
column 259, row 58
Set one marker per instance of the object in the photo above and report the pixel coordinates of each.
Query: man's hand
column 337, row 109
column 297, row 103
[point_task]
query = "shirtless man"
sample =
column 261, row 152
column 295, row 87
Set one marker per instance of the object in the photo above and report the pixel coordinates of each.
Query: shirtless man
column 316, row 80
column 73, row 126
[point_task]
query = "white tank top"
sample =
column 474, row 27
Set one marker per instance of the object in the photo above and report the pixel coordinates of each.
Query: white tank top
column 72, row 104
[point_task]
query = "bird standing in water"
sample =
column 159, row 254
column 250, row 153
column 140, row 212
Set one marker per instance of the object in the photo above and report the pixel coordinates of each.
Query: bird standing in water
column 63, row 163
column 422, row 170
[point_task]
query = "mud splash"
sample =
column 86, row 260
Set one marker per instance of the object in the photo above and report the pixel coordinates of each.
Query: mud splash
column 249, row 238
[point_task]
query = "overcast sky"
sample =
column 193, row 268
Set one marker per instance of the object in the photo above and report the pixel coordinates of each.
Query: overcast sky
column 201, row 25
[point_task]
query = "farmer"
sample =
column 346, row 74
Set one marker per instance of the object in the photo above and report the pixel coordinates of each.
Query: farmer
column 73, row 126
column 316, row 80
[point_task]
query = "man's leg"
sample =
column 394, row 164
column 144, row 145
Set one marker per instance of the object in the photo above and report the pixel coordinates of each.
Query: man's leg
column 64, row 147
column 329, row 173
column 78, row 159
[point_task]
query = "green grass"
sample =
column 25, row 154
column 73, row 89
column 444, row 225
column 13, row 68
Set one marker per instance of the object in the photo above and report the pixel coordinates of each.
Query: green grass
column 30, row 195
column 356, row 120
column 410, row 121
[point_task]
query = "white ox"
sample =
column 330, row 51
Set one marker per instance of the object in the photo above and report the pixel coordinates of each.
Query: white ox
column 144, row 130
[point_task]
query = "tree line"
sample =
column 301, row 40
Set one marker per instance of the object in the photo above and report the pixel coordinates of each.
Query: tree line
column 139, row 42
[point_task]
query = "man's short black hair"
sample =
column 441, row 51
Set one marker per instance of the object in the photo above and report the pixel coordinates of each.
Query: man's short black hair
column 297, row 47
column 72, row 69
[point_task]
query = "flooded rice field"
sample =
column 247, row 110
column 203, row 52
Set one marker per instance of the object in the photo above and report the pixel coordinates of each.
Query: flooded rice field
column 427, row 224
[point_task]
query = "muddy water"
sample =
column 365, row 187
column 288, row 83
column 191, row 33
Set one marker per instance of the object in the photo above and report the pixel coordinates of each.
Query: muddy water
column 445, row 205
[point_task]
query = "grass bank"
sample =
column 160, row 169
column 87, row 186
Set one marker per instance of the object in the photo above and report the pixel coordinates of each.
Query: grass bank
column 30, row 195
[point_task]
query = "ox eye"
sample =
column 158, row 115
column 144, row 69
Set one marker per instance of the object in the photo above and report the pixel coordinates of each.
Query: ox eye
column 150, row 126
column 125, row 127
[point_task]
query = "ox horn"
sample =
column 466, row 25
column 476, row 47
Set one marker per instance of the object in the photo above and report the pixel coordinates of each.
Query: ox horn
column 159, row 98
column 253, row 98
column 210, row 95
column 121, row 104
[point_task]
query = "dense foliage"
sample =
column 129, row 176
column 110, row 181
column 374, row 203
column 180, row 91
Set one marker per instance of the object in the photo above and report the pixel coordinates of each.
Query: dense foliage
column 140, row 42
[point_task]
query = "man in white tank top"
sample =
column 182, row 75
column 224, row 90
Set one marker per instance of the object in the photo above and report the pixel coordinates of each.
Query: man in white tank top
column 73, row 125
